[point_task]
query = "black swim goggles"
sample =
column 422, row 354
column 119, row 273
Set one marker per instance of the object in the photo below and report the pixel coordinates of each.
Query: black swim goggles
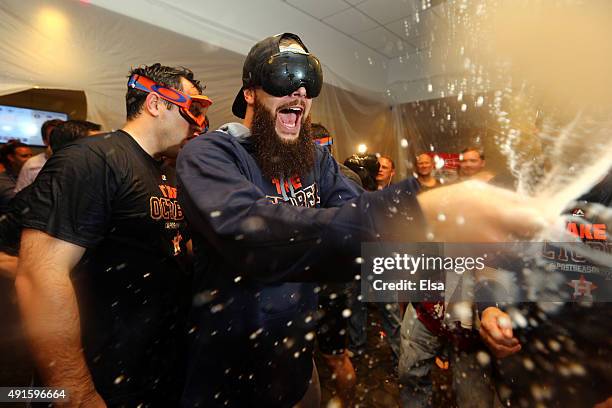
column 287, row 71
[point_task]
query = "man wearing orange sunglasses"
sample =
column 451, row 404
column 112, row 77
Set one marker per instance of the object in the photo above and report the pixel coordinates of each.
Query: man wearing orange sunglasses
column 191, row 106
column 102, row 279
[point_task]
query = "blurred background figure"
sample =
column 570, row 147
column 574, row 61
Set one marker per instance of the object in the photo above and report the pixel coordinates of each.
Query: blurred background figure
column 368, row 167
column 91, row 127
column 13, row 155
column 385, row 172
column 70, row 131
column 424, row 166
column 14, row 355
column 61, row 134
column 472, row 164
column 33, row 165
column 332, row 332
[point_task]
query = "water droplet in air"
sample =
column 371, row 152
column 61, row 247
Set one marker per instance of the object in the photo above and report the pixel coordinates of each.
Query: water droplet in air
column 554, row 345
column 216, row 308
column 504, row 322
column 483, row 358
column 256, row 333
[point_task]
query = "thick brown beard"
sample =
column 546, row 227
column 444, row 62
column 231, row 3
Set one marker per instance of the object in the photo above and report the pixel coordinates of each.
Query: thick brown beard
column 278, row 158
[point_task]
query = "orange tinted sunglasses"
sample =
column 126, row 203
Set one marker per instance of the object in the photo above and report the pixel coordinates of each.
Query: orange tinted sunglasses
column 192, row 107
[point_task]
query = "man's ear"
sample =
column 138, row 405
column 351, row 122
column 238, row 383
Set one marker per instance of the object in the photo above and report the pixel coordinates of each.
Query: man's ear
column 249, row 96
column 153, row 104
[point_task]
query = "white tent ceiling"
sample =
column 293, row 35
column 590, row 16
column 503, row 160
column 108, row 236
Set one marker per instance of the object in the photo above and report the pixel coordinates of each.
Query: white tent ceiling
column 379, row 48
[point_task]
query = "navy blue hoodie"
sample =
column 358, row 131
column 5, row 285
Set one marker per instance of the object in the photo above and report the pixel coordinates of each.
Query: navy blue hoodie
column 259, row 247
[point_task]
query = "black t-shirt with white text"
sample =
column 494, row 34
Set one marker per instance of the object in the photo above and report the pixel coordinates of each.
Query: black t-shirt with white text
column 106, row 194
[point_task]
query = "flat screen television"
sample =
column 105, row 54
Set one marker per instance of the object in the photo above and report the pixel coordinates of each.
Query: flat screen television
column 24, row 124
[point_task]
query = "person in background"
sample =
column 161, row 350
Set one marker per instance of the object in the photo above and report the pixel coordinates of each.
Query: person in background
column 32, row 167
column 15, row 358
column 35, row 163
column 428, row 339
column 70, row 131
column 424, row 166
column 385, row 172
column 323, row 138
column 367, row 166
column 92, row 127
column 13, row 155
column 10, row 225
column 332, row 332
column 472, row 164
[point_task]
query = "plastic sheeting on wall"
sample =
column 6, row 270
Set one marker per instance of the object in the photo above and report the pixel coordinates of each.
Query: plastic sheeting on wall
column 59, row 44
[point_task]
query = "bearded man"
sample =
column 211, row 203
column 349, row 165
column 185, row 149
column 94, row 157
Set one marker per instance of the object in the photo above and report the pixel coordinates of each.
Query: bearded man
column 271, row 213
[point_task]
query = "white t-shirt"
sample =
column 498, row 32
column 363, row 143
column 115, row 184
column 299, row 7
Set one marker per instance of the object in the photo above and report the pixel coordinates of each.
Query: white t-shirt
column 30, row 170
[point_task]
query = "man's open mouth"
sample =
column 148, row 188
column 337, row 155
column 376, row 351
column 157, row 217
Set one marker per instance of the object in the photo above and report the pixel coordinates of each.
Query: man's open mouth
column 290, row 118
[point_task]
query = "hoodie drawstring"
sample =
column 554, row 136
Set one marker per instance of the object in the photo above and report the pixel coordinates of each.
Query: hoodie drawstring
column 284, row 192
column 291, row 189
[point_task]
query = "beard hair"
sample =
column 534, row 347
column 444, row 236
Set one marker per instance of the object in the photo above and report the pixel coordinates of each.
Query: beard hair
column 276, row 157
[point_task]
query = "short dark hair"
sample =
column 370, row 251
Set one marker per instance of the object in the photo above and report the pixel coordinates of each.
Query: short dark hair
column 318, row 131
column 167, row 76
column 9, row 148
column 474, row 149
column 67, row 132
column 384, row 156
column 48, row 125
column 91, row 126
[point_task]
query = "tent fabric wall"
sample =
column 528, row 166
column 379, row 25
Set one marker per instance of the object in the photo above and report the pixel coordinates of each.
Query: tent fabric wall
column 61, row 44
column 70, row 45
column 352, row 120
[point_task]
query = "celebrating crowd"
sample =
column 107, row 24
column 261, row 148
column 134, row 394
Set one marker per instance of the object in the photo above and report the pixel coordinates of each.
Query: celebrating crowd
column 157, row 265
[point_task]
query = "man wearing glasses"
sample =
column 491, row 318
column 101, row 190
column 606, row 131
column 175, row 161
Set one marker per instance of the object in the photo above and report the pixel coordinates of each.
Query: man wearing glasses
column 102, row 278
